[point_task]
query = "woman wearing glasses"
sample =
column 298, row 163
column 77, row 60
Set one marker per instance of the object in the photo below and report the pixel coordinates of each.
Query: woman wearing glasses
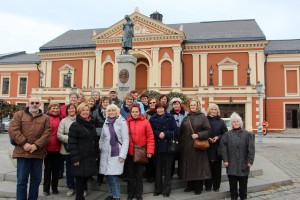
column 125, row 107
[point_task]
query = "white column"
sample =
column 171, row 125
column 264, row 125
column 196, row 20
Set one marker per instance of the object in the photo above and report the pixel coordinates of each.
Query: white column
column 116, row 68
column 260, row 67
column 155, row 73
column 248, row 114
column 91, row 74
column 48, row 73
column 99, row 74
column 203, row 69
column 85, row 73
column 43, row 69
column 176, row 69
column 196, row 73
column 252, row 64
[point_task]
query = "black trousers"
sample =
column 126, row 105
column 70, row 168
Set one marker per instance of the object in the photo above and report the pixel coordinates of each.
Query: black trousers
column 163, row 166
column 176, row 157
column 51, row 171
column 150, row 168
column 243, row 182
column 196, row 185
column 135, row 178
column 216, row 172
column 80, row 186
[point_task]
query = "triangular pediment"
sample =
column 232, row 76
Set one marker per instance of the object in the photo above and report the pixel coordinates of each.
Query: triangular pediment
column 228, row 61
column 66, row 67
column 143, row 26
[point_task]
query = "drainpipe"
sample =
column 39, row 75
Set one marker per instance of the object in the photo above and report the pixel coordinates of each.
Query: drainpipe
column 266, row 96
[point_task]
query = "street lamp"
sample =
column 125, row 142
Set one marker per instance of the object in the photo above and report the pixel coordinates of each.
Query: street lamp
column 248, row 75
column 69, row 74
column 259, row 87
column 41, row 78
column 211, row 72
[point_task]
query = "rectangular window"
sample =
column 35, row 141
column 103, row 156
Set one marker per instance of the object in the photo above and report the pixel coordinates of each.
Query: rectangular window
column 5, row 86
column 67, row 81
column 227, row 78
column 291, row 77
column 21, row 105
column 22, row 87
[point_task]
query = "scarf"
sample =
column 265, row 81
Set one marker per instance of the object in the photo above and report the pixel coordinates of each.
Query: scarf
column 113, row 137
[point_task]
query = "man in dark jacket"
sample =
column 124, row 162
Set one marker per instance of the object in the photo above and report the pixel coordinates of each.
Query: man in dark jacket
column 30, row 129
column 113, row 94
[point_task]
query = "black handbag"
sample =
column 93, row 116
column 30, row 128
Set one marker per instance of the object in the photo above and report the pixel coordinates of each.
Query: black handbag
column 174, row 145
column 66, row 145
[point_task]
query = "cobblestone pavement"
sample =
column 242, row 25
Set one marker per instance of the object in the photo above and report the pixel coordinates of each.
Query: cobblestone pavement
column 284, row 153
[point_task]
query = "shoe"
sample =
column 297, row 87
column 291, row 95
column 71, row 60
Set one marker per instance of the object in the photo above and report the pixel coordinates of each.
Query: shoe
column 208, row 189
column 198, row 192
column 139, row 198
column 130, row 197
column 156, row 194
column 85, row 193
column 54, row 191
column 217, row 190
column 108, row 198
column 166, row 195
column 70, row 193
column 46, row 193
column 187, row 190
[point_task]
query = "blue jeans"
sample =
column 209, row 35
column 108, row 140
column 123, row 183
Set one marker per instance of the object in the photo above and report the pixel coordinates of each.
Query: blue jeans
column 26, row 167
column 69, row 176
column 113, row 186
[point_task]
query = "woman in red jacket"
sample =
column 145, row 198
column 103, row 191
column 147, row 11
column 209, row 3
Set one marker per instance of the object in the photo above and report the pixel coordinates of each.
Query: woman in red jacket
column 141, row 134
column 51, row 162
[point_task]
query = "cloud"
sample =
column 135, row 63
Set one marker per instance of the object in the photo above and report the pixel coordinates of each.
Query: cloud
column 20, row 33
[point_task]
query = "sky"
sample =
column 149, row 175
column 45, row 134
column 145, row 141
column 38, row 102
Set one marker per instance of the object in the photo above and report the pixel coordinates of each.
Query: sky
column 26, row 25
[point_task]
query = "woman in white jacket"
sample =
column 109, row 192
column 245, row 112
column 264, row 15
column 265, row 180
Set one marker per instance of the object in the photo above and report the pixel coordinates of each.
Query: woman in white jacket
column 62, row 135
column 113, row 146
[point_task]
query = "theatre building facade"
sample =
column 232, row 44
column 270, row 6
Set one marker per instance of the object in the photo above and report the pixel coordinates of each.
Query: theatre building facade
column 217, row 62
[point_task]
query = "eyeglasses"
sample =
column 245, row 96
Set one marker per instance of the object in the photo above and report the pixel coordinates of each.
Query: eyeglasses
column 32, row 103
column 152, row 102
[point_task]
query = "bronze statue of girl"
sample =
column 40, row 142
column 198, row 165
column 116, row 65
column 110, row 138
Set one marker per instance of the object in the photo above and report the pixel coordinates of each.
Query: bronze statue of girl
column 128, row 28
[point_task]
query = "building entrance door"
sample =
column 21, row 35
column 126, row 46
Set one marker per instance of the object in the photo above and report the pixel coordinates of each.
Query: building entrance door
column 227, row 109
column 292, row 115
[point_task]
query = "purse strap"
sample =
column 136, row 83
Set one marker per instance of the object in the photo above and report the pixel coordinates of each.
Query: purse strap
column 193, row 132
column 130, row 134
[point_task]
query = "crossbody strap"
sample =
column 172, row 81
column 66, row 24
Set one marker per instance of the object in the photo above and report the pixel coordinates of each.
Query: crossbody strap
column 193, row 132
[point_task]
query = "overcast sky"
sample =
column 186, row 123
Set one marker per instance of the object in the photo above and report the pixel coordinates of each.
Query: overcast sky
column 25, row 25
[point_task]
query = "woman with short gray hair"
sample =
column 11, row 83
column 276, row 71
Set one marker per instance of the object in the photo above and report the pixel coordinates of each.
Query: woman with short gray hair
column 237, row 150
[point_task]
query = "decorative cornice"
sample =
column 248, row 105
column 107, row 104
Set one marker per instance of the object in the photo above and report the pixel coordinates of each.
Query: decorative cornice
column 61, row 54
column 177, row 49
column 141, row 39
column 230, row 46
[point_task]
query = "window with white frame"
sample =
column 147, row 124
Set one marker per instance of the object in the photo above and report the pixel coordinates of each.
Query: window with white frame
column 228, row 66
column 22, row 85
column 5, row 85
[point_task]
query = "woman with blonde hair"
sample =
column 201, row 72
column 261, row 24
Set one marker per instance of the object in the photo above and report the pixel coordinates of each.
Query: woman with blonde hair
column 84, row 148
column 194, row 166
column 215, row 162
column 237, row 150
column 113, row 146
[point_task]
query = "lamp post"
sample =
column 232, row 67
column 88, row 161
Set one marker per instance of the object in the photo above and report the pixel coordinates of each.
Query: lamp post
column 69, row 74
column 259, row 87
column 41, row 78
column 248, row 75
column 211, row 72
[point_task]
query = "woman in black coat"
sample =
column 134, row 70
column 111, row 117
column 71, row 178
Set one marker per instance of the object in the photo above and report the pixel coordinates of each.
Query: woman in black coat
column 164, row 128
column 84, row 148
column 218, row 128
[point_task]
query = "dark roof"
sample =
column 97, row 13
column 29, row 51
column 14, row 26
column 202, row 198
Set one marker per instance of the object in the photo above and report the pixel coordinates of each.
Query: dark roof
column 19, row 58
column 221, row 31
column 216, row 31
column 283, row 47
column 73, row 39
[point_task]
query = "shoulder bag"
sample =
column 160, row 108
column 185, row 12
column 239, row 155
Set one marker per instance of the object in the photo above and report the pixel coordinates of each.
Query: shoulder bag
column 174, row 145
column 199, row 144
column 139, row 152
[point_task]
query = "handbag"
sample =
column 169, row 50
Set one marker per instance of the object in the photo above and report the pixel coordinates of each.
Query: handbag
column 66, row 145
column 199, row 144
column 139, row 152
column 174, row 145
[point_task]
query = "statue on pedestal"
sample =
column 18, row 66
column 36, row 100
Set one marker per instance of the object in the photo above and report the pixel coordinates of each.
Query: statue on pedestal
column 128, row 28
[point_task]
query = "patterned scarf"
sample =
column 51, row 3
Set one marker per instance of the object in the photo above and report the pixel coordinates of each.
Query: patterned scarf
column 113, row 137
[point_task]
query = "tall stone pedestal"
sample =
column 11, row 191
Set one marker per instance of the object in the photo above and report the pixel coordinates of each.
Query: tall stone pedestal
column 126, row 72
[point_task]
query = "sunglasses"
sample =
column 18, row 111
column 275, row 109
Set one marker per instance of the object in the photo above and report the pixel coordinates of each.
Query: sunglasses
column 32, row 103
column 152, row 102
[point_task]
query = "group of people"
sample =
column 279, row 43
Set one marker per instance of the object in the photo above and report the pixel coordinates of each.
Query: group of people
column 97, row 137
